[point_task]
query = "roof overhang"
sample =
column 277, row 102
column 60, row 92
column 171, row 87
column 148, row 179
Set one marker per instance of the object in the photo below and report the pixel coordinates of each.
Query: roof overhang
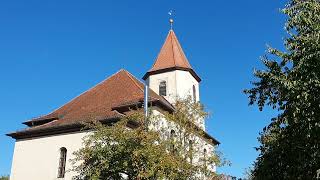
column 53, row 130
column 78, row 126
column 39, row 121
column 161, row 103
column 35, row 131
column 192, row 72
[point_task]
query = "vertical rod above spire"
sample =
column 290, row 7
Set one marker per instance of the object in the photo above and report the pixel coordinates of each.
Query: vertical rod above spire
column 171, row 19
column 171, row 23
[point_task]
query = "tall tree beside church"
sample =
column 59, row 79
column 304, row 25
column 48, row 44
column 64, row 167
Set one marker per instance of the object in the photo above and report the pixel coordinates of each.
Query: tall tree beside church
column 290, row 83
column 4, row 177
column 119, row 152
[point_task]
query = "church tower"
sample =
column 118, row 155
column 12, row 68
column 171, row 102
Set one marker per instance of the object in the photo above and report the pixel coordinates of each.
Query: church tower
column 172, row 76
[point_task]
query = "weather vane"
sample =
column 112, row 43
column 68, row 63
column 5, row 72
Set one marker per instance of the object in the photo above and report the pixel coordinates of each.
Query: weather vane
column 171, row 19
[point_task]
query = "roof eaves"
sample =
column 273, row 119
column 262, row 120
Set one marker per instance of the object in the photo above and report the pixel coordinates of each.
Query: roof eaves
column 39, row 120
column 193, row 73
column 56, row 129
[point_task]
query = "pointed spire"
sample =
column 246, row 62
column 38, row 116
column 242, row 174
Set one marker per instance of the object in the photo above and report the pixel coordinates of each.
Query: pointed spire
column 171, row 54
column 171, row 57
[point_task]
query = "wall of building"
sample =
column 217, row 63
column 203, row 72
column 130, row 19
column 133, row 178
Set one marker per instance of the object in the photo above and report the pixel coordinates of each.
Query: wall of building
column 185, row 82
column 38, row 158
column 179, row 85
column 160, row 124
column 170, row 77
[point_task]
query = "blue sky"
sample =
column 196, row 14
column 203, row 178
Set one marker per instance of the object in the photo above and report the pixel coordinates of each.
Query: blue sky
column 51, row 51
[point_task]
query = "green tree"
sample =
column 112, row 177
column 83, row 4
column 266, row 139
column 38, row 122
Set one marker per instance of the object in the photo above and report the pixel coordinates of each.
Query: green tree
column 4, row 177
column 290, row 144
column 127, row 149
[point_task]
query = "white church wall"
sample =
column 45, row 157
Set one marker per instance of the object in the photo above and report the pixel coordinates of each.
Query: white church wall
column 185, row 82
column 179, row 85
column 200, row 144
column 38, row 158
column 170, row 78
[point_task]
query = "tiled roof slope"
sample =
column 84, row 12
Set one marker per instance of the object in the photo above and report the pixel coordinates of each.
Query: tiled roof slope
column 171, row 54
column 99, row 102
column 106, row 102
column 171, row 57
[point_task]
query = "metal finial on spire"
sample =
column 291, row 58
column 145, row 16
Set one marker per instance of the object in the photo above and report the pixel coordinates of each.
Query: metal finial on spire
column 171, row 23
column 171, row 19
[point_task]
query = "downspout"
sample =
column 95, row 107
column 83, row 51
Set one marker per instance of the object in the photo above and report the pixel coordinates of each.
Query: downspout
column 146, row 102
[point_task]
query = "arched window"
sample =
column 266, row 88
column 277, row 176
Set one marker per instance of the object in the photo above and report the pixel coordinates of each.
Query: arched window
column 172, row 137
column 194, row 93
column 205, row 157
column 172, row 134
column 163, row 88
column 190, row 151
column 62, row 162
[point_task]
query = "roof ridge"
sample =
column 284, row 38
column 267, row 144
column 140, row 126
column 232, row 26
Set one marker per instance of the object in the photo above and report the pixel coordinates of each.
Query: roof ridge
column 172, row 41
column 60, row 107
column 155, row 62
column 171, row 54
column 134, row 80
column 171, row 57
column 181, row 52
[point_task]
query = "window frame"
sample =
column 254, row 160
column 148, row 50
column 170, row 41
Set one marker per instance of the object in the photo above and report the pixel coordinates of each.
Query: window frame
column 172, row 139
column 205, row 157
column 191, row 151
column 163, row 88
column 62, row 162
column 194, row 91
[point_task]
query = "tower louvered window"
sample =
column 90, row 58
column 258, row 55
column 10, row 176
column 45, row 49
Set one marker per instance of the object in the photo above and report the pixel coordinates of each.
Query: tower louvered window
column 163, row 88
column 62, row 162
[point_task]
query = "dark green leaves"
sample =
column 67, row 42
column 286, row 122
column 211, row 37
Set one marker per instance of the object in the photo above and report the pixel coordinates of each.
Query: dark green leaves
column 117, row 151
column 290, row 83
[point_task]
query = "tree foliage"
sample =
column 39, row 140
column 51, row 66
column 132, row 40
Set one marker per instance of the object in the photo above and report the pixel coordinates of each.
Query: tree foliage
column 126, row 149
column 4, row 177
column 290, row 144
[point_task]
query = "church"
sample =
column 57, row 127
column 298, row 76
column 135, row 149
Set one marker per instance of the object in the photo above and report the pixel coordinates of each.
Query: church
column 43, row 149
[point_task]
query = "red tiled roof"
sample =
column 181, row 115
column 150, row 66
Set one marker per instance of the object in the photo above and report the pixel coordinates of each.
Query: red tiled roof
column 171, row 57
column 171, row 54
column 106, row 102
column 99, row 102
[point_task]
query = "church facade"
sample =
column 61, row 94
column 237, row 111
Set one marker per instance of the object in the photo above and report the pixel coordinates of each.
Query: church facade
column 43, row 149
